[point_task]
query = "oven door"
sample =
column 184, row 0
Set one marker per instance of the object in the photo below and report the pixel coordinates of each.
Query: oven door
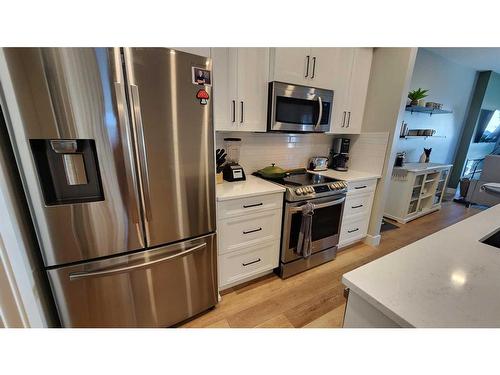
column 294, row 108
column 326, row 223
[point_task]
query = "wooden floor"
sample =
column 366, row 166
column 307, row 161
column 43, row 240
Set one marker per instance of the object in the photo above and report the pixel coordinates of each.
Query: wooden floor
column 315, row 298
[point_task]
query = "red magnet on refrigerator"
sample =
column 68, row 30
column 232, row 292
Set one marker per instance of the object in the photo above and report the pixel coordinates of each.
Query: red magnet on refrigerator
column 203, row 96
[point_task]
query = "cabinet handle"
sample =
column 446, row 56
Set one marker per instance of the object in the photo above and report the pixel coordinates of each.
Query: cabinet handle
column 241, row 114
column 358, row 206
column 349, row 119
column 343, row 119
column 234, row 110
column 252, row 231
column 307, row 66
column 314, row 67
column 252, row 205
column 252, row 262
column 360, row 187
column 354, row 230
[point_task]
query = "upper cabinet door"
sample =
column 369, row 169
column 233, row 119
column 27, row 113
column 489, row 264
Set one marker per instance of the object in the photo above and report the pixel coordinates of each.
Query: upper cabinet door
column 335, row 69
column 358, row 88
column 253, row 78
column 225, row 76
column 291, row 65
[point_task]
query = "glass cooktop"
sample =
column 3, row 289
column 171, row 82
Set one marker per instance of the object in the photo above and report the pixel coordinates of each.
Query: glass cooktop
column 304, row 179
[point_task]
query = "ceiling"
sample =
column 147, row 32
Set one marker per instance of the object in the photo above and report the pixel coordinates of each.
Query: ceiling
column 476, row 58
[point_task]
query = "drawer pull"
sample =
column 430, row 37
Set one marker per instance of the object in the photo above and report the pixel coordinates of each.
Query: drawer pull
column 249, row 263
column 252, row 231
column 358, row 206
column 360, row 187
column 252, row 205
column 353, row 230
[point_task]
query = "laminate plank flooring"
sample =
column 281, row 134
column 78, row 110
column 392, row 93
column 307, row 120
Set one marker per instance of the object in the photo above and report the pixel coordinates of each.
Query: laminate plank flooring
column 315, row 298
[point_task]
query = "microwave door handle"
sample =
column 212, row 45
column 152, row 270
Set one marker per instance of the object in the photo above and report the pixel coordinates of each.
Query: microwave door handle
column 320, row 112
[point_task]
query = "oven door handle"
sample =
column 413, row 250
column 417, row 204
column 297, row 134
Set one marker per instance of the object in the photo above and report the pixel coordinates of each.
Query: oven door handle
column 320, row 112
column 320, row 205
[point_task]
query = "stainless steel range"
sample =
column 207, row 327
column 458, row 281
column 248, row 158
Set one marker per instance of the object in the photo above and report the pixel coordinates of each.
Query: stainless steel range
column 327, row 196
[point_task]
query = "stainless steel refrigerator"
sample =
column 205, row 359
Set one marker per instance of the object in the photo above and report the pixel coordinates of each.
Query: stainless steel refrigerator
column 116, row 153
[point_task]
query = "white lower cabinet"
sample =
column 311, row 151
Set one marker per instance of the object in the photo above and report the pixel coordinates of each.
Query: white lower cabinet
column 249, row 231
column 357, row 211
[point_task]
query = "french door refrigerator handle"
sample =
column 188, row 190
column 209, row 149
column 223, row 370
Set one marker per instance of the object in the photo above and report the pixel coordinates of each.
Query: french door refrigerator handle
column 314, row 67
column 106, row 272
column 348, row 119
column 343, row 119
column 136, row 110
column 126, row 137
column 234, row 110
column 307, row 65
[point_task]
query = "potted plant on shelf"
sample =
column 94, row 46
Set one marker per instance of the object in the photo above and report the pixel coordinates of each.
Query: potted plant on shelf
column 417, row 95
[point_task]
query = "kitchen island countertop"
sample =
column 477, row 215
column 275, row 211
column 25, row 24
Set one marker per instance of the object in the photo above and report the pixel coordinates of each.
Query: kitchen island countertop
column 251, row 187
column 448, row 279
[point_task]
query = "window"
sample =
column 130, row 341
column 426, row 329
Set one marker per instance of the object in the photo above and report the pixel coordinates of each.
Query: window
column 488, row 126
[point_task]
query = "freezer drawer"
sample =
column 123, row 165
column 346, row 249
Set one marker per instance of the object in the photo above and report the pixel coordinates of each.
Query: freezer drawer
column 153, row 288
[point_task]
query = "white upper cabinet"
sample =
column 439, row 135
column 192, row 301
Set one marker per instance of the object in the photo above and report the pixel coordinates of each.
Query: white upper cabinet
column 240, row 82
column 291, row 65
column 349, row 100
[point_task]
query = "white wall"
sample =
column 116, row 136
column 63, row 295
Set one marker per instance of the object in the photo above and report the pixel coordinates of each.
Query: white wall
column 389, row 81
column 450, row 84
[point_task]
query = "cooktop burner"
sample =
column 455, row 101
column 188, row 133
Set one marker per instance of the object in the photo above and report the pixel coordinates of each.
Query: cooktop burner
column 308, row 185
column 305, row 179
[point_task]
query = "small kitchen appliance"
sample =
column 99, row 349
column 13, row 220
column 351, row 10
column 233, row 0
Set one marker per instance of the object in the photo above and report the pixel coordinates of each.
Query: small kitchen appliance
column 318, row 163
column 232, row 170
column 314, row 197
column 340, row 154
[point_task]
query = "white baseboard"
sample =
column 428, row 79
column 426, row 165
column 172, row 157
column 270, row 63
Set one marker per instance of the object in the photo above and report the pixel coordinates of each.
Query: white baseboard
column 372, row 240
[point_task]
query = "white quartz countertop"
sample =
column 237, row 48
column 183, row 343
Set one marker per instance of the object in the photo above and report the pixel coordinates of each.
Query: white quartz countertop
column 253, row 186
column 349, row 175
column 448, row 279
column 418, row 167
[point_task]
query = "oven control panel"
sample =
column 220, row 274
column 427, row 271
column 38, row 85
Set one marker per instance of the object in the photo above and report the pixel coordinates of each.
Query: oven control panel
column 316, row 191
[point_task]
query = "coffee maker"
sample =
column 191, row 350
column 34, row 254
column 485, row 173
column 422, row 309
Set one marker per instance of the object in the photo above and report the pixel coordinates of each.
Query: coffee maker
column 339, row 154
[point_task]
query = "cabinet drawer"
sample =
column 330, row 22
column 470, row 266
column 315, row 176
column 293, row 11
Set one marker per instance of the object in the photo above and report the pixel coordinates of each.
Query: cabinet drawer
column 244, row 206
column 360, row 187
column 358, row 205
column 353, row 229
column 244, row 263
column 238, row 232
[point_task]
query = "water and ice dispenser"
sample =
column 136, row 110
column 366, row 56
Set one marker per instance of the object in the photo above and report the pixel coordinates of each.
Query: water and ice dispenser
column 68, row 170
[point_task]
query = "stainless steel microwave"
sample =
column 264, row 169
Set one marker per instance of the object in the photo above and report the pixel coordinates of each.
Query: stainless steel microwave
column 298, row 109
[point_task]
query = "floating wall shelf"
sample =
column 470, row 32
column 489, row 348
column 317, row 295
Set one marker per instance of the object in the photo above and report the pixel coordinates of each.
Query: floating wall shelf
column 422, row 136
column 430, row 111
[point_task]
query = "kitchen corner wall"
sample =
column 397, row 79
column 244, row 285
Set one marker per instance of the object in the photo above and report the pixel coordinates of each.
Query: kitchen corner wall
column 259, row 150
column 448, row 83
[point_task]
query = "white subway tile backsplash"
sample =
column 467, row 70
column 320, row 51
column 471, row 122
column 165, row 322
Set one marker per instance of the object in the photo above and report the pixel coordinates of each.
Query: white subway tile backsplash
column 259, row 150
